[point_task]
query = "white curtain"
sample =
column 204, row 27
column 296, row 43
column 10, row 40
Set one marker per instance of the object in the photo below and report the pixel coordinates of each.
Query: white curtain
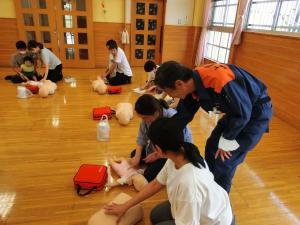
column 239, row 22
column 202, row 41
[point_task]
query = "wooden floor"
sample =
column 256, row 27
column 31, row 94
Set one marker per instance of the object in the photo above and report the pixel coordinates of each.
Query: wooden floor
column 44, row 141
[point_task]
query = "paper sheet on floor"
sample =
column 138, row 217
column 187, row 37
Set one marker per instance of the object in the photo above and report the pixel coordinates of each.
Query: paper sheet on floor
column 139, row 90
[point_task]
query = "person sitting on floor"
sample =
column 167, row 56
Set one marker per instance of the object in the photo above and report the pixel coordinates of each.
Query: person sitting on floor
column 149, row 109
column 150, row 68
column 17, row 60
column 27, row 69
column 53, row 65
column 194, row 198
column 119, row 62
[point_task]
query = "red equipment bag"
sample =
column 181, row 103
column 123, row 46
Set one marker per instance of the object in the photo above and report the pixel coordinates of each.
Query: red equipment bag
column 90, row 177
column 114, row 89
column 99, row 112
column 32, row 88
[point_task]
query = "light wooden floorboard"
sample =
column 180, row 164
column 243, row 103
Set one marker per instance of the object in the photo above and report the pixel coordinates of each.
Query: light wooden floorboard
column 44, row 141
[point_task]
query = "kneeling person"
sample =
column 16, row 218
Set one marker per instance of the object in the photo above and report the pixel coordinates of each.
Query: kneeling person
column 118, row 62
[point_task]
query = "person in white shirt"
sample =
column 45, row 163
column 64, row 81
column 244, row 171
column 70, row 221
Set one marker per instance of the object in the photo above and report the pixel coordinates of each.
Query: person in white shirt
column 148, row 109
column 194, row 198
column 53, row 66
column 118, row 62
column 150, row 68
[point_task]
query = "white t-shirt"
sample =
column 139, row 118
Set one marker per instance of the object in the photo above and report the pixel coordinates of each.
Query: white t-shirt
column 122, row 62
column 196, row 199
column 49, row 58
column 151, row 74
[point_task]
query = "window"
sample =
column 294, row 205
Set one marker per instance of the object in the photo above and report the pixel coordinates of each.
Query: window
column 218, row 39
column 274, row 15
column 218, row 46
column 223, row 13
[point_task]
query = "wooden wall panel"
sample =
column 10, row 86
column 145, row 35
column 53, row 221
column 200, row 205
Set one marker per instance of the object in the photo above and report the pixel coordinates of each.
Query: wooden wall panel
column 102, row 33
column 180, row 44
column 8, row 38
column 275, row 60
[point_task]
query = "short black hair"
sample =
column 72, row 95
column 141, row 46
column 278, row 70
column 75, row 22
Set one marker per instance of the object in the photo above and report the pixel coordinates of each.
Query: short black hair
column 111, row 44
column 170, row 71
column 149, row 66
column 21, row 45
column 148, row 105
column 33, row 44
column 28, row 58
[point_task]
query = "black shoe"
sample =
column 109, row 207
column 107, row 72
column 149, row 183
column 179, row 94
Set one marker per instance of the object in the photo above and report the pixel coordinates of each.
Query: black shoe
column 9, row 77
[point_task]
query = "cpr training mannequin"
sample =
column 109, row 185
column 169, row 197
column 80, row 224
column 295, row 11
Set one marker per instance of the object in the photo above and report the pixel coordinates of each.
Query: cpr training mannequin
column 47, row 88
column 124, row 112
column 128, row 174
column 99, row 86
column 131, row 217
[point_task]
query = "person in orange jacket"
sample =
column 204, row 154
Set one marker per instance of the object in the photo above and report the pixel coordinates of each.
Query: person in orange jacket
column 228, row 89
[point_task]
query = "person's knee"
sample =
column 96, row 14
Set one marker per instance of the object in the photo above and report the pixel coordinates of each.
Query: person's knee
column 160, row 212
column 154, row 215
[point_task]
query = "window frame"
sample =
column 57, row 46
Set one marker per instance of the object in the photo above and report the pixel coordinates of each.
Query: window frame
column 224, row 28
column 273, row 27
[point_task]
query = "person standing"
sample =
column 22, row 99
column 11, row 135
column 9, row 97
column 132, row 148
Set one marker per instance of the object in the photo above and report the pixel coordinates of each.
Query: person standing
column 228, row 89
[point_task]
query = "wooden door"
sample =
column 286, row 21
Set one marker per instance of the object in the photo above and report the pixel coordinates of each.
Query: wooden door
column 146, row 28
column 36, row 21
column 75, row 29
column 63, row 26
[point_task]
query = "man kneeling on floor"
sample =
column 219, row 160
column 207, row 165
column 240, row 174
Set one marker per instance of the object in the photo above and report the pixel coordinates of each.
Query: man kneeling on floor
column 118, row 63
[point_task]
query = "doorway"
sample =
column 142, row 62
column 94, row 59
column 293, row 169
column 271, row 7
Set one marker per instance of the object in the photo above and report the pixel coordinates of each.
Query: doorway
column 63, row 26
column 146, row 31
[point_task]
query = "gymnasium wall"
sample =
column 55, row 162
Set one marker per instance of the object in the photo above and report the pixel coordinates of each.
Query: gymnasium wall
column 9, row 32
column 275, row 59
column 182, row 28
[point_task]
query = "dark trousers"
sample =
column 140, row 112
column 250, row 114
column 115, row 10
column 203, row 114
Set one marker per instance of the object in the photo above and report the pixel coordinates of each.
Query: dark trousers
column 53, row 75
column 56, row 74
column 161, row 215
column 119, row 79
column 153, row 168
column 18, row 79
column 247, row 139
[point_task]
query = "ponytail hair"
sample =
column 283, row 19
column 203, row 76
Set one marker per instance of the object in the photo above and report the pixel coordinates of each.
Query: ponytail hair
column 165, row 133
column 192, row 154
column 147, row 105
